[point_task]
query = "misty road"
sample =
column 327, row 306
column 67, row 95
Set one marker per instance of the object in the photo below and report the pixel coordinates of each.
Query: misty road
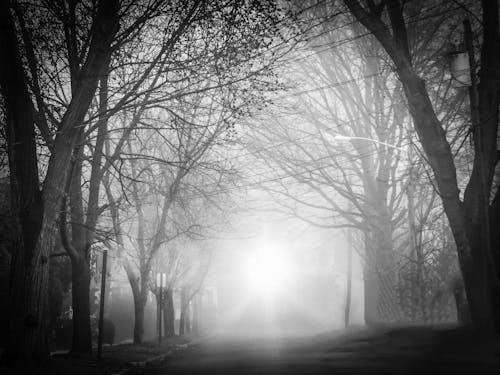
column 399, row 351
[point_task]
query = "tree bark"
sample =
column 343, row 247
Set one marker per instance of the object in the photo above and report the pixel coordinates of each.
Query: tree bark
column 381, row 303
column 24, row 329
column 459, row 296
column 139, row 321
column 139, row 305
column 182, row 320
column 80, row 278
column 169, row 313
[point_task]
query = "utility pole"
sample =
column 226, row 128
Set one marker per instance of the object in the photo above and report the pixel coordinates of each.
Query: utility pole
column 101, row 307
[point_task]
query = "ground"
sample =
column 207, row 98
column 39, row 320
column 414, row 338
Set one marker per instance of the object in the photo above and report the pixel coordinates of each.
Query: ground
column 402, row 350
column 116, row 359
column 396, row 350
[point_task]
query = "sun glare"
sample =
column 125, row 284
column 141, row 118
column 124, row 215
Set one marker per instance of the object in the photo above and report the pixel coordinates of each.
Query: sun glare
column 268, row 271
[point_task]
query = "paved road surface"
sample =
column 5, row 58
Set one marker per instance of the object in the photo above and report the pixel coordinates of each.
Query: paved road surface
column 396, row 351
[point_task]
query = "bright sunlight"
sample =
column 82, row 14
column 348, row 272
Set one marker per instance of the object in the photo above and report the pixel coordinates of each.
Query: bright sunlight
column 268, row 271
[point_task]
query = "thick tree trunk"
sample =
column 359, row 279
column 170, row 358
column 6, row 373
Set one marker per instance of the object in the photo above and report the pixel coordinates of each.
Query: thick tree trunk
column 25, row 328
column 381, row 303
column 169, row 313
column 82, row 336
column 495, row 232
column 139, row 321
column 36, row 323
column 460, row 298
column 371, row 295
column 139, row 305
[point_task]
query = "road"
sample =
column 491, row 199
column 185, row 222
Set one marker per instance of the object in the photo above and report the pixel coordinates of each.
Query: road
column 396, row 351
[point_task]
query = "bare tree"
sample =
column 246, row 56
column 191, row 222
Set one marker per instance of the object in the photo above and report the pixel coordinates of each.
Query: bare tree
column 36, row 209
column 58, row 66
column 162, row 170
column 471, row 216
column 354, row 181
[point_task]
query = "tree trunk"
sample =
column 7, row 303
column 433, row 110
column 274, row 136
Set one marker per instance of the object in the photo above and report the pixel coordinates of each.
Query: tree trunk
column 197, row 313
column 139, row 305
column 381, row 303
column 182, row 321
column 460, row 298
column 82, row 335
column 139, row 321
column 480, row 285
column 347, row 309
column 25, row 327
column 169, row 313
column 495, row 233
column 188, row 318
column 36, row 313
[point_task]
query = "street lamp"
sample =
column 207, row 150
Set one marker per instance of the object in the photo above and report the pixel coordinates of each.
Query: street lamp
column 339, row 137
column 161, row 280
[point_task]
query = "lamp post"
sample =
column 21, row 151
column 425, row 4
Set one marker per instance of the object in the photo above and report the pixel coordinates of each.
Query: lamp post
column 161, row 279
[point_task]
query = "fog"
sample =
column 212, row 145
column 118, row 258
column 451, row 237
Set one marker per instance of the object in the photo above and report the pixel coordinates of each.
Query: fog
column 179, row 172
column 286, row 278
column 270, row 277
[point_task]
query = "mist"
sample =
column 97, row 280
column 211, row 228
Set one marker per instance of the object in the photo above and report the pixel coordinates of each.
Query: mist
column 197, row 186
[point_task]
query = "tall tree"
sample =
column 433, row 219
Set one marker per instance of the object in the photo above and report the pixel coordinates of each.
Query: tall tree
column 468, row 216
column 36, row 208
column 344, row 182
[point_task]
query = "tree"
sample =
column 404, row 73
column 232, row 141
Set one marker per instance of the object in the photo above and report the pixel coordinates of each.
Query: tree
column 468, row 216
column 169, row 170
column 196, row 270
column 220, row 72
column 186, row 262
column 36, row 209
column 84, row 205
column 58, row 66
column 356, row 182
